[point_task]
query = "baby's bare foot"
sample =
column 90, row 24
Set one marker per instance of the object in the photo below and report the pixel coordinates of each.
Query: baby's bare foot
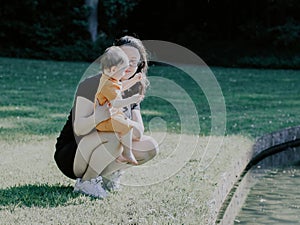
column 129, row 158
column 121, row 159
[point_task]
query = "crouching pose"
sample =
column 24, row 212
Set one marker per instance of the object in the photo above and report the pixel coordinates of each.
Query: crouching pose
column 93, row 157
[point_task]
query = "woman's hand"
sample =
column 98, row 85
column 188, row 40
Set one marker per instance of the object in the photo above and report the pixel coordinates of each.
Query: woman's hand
column 138, row 77
column 101, row 113
column 137, row 98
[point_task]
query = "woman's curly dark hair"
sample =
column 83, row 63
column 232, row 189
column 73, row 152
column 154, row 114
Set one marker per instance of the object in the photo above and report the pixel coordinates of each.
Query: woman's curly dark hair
column 143, row 64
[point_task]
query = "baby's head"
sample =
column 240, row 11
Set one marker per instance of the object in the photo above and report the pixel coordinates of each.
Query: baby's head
column 114, row 62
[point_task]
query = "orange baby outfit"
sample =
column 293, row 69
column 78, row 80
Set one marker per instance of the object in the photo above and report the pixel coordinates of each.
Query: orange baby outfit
column 110, row 89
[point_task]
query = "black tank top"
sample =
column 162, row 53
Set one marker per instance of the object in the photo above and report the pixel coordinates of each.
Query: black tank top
column 66, row 144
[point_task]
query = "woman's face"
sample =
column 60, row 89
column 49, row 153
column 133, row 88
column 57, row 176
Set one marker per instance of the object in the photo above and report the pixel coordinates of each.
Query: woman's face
column 134, row 58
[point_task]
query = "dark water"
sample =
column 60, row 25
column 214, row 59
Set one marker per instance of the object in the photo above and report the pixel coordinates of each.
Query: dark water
column 274, row 197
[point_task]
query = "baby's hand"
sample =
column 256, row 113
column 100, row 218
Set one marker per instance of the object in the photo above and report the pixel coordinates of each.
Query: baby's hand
column 138, row 77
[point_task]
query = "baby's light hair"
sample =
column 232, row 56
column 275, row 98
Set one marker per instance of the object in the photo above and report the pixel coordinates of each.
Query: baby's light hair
column 112, row 56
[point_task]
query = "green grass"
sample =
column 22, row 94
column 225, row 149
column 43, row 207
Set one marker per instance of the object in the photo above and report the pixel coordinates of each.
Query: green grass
column 39, row 195
column 35, row 99
column 257, row 101
column 36, row 95
column 260, row 101
column 33, row 191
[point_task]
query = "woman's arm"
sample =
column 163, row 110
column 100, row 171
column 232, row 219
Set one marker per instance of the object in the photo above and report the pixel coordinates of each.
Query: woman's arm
column 86, row 118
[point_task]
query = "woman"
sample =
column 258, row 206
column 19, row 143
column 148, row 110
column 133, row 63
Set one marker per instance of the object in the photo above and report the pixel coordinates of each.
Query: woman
column 87, row 155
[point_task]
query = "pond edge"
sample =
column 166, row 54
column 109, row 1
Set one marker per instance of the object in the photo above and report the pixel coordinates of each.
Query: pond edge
column 232, row 191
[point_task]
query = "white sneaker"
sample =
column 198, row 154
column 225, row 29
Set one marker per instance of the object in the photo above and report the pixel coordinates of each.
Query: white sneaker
column 112, row 183
column 91, row 187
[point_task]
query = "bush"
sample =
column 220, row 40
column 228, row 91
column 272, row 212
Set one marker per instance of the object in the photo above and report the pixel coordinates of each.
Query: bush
column 270, row 62
column 57, row 30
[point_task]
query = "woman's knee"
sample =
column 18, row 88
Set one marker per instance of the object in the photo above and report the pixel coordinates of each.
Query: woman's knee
column 148, row 146
column 154, row 150
column 151, row 141
column 90, row 141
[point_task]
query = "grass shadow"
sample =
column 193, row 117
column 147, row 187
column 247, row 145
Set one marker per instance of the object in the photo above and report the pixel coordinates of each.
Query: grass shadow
column 36, row 195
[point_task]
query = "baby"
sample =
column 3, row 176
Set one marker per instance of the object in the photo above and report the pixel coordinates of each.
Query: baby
column 114, row 62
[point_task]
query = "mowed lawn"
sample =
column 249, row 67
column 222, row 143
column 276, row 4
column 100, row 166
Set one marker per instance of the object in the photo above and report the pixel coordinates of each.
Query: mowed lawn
column 36, row 96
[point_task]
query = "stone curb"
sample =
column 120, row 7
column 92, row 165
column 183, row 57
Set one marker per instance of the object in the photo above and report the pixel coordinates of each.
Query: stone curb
column 232, row 191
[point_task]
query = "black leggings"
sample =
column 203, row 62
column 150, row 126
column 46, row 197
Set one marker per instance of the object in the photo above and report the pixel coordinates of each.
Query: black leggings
column 64, row 157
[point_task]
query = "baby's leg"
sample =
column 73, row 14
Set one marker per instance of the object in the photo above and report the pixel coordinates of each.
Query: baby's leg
column 123, row 127
column 127, row 155
column 137, row 132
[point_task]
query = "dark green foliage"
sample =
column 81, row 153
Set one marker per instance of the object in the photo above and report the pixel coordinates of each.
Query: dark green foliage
column 37, row 28
column 34, row 28
column 55, row 29
column 223, row 32
column 112, row 13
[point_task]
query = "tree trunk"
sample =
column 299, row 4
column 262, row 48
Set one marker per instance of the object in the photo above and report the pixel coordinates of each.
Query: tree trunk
column 93, row 18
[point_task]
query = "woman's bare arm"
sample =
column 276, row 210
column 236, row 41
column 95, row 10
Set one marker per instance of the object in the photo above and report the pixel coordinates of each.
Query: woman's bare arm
column 86, row 118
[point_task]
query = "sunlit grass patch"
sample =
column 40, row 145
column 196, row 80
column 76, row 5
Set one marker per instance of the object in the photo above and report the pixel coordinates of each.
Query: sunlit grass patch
column 7, row 123
column 59, row 115
column 149, row 112
column 34, row 191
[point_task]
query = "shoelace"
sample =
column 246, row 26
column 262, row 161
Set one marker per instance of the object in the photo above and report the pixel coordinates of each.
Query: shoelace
column 99, row 180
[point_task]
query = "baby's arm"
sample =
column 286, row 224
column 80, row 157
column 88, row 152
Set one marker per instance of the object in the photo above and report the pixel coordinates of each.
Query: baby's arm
column 126, row 84
column 112, row 93
column 120, row 103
